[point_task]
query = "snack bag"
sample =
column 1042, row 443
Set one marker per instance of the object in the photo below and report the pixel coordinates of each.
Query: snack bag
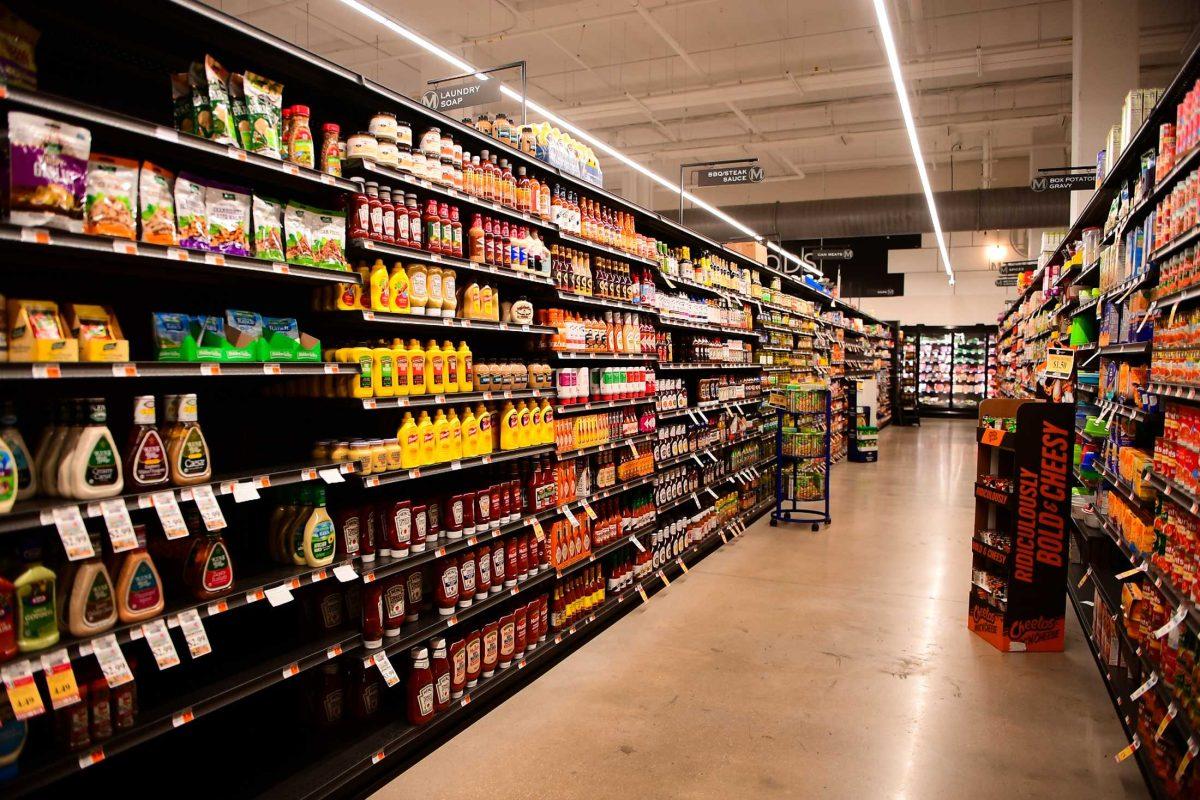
column 190, row 212
column 47, row 174
column 111, row 197
column 261, row 125
column 181, row 100
column 228, row 209
column 268, row 228
column 328, row 238
column 297, row 229
column 156, row 205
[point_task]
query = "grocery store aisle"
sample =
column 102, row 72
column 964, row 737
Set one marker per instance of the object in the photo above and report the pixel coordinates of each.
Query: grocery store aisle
column 793, row 664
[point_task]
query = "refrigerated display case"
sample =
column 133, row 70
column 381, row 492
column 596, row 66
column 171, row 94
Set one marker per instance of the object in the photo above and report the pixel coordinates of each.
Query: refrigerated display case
column 953, row 367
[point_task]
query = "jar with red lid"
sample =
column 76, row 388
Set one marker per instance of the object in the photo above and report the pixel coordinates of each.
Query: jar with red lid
column 458, row 668
column 519, row 620
column 446, row 585
column 474, row 657
column 483, row 572
column 400, row 528
column 466, row 580
column 394, row 595
column 420, row 528
column 498, row 561
column 414, row 594
column 508, row 639
column 359, row 222
column 372, row 615
column 491, row 648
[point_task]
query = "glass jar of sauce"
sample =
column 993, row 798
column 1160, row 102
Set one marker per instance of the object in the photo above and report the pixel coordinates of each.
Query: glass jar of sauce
column 431, row 143
column 362, row 145
column 383, row 126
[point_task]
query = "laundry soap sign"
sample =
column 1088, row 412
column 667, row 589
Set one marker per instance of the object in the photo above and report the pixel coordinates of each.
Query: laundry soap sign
column 469, row 92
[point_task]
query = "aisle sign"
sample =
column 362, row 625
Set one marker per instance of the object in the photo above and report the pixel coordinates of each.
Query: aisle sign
column 1060, row 362
column 729, row 176
column 1006, row 281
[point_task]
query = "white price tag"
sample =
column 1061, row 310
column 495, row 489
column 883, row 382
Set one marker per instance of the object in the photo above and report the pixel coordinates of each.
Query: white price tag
column 120, row 526
column 210, row 509
column 278, row 595
column 632, row 449
column 161, row 646
column 1172, row 623
column 344, row 573
column 385, row 668
column 244, row 492
column 697, row 459
column 169, row 515
column 331, row 475
column 1129, row 573
column 71, row 531
column 637, row 544
column 1145, row 687
column 112, row 661
column 194, row 633
column 566, row 510
column 703, row 417
column 710, row 491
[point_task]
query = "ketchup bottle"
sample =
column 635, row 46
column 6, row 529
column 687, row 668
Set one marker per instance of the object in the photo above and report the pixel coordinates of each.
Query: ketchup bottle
column 466, row 580
column 348, row 535
column 432, row 227
column 393, row 604
column 375, row 212
column 483, row 572
column 453, row 515
column 522, row 557
column 420, row 528
column 474, row 657
column 491, row 648
column 508, row 639
column 400, row 528
column 447, row 231
column 498, row 559
column 495, row 499
column 414, row 594
column 414, row 221
column 433, row 522
column 482, row 500
column 360, row 213
column 440, row 666
column 420, row 688
column 456, row 232
column 372, row 615
column 458, row 668
column 533, row 623
column 446, row 590
column 544, row 625
column 373, row 534
column 519, row 626
column 389, row 214
column 512, row 569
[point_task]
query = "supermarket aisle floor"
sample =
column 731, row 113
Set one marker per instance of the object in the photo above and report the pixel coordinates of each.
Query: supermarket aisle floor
column 793, row 664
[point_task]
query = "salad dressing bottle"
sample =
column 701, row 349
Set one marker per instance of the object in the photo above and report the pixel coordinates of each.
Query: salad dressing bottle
column 146, row 457
column 188, row 452
column 62, row 456
column 23, row 461
column 139, row 587
column 36, row 604
column 9, row 478
column 49, row 444
column 94, row 468
column 91, row 606
column 319, row 536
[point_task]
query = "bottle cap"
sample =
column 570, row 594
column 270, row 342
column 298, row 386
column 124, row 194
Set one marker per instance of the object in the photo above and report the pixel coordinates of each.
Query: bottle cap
column 143, row 410
column 187, row 408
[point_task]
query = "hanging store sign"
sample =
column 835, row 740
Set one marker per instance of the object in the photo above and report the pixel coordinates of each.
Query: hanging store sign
column 1075, row 182
column 1007, row 281
column 471, row 92
column 831, row 254
column 1016, row 267
column 728, row 176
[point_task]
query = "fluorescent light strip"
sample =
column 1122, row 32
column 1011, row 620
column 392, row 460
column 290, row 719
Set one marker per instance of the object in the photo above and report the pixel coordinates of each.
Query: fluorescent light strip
column 550, row 116
column 889, row 44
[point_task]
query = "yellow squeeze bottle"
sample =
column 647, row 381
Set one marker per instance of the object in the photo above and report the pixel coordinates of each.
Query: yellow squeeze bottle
column 435, row 368
column 470, row 433
column 364, row 294
column 486, row 298
column 364, row 385
column 417, row 364
column 384, row 364
column 380, row 298
column 524, row 425
column 398, row 289
column 466, row 368
column 547, row 423
column 347, row 298
column 535, row 423
column 509, row 431
column 441, row 437
column 452, row 367
column 410, row 442
column 427, row 440
column 456, row 438
column 483, row 443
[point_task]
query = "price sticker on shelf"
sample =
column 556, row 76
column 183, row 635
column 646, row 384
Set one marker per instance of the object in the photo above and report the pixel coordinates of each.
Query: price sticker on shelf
column 710, row 491
column 1126, row 752
column 210, row 509
column 1149, row 684
column 1129, row 573
column 161, row 646
column 181, row 718
column 385, row 668
column 702, row 416
column 169, row 516
column 696, row 500
column 692, row 416
column 60, row 679
column 71, row 531
column 537, row 530
column 637, row 544
column 993, row 437
column 1187, row 759
column 244, row 492
column 642, row 592
column 587, row 509
column 1172, row 623
column 279, row 595
column 344, row 573
column 1084, row 579
column 46, row 371
column 1172, row 711
column 194, row 633
column 124, row 370
column 375, row 759
column 697, row 459
column 662, row 577
column 112, row 661
column 331, row 369
column 566, row 510
column 331, row 475
column 23, row 694
column 682, row 565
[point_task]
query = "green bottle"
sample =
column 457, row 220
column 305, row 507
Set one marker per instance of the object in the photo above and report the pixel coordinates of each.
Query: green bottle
column 37, row 618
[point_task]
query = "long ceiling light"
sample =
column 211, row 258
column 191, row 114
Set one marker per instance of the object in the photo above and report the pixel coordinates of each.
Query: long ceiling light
column 574, row 130
column 889, row 44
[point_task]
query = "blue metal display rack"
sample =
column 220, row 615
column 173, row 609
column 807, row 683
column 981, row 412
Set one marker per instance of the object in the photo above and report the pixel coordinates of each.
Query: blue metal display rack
column 787, row 507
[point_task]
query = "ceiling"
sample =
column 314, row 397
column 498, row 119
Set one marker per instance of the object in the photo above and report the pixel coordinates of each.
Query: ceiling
column 802, row 85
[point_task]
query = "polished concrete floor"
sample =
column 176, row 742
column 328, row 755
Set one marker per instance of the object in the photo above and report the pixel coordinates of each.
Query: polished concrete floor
column 800, row 665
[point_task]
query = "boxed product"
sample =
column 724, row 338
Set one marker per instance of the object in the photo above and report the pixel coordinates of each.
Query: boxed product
column 97, row 332
column 38, row 332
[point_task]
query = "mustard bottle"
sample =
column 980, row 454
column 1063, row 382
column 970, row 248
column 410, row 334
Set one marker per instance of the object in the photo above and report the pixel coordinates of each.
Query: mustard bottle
column 451, row 361
column 392, row 447
column 470, row 301
column 364, row 294
column 466, row 368
column 417, row 365
column 364, row 384
column 456, row 441
column 535, row 424
column 470, row 433
column 441, row 437
column 348, row 297
column 403, row 372
column 418, row 288
column 486, row 298
column 489, row 428
column 398, row 289
column 433, row 303
column 410, row 442
column 509, row 431
column 384, row 367
column 427, row 440
column 524, row 425
column 547, row 423
column 435, row 368
column 318, row 536
column 380, row 298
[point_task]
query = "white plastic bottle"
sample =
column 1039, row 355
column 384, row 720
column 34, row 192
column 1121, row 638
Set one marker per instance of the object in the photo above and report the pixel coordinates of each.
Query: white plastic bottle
column 27, row 478
column 94, row 469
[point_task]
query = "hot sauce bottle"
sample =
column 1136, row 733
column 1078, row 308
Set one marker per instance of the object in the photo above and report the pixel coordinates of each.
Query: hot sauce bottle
column 458, row 668
column 474, row 657
column 420, row 688
column 440, row 666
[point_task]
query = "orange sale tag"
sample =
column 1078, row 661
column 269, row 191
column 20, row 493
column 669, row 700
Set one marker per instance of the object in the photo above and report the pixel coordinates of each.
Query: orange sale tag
column 993, row 437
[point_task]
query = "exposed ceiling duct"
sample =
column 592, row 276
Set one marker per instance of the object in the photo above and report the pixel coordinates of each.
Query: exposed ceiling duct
column 966, row 210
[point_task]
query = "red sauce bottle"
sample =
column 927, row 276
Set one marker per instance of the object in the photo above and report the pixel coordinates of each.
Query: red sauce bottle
column 99, row 710
column 376, row 536
column 348, row 532
column 533, row 623
column 72, row 722
column 399, row 528
column 447, row 232
column 420, row 528
column 515, row 500
column 365, row 690
column 402, row 225
column 544, row 626
column 456, row 232
column 360, row 214
column 483, row 572
column 504, row 244
column 522, row 557
column 508, row 639
column 394, row 608
column 519, row 622
column 375, row 218
column 432, row 227
column 469, row 524
column 440, row 666
column 8, row 620
column 366, row 536
column 474, row 657
column 485, row 510
column 489, row 242
column 389, row 214
column 495, row 499
column 446, row 588
column 458, row 668
column 466, row 580
column 433, row 521
column 491, row 648
column 209, row 572
column 420, row 688
column 498, row 560
column 512, row 569
column 413, row 594
column 454, row 516
column 414, row 221
column 372, row 614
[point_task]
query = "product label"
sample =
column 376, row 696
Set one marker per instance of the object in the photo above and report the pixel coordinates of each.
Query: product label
column 403, row 522
column 485, row 571
column 8, row 475
column 498, row 565
column 99, row 604
column 144, row 591
column 150, row 461
column 322, row 540
column 161, row 646
column 393, row 602
column 473, row 656
column 385, row 372
column 491, row 647
column 468, row 577
column 194, row 633
column 101, row 467
column 442, row 687
column 458, row 666
column 508, row 639
column 450, row 581
column 422, row 522
column 193, row 455
column 331, row 611
column 425, row 700
column 36, row 610
column 350, row 534
column 218, row 572
column 413, row 588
